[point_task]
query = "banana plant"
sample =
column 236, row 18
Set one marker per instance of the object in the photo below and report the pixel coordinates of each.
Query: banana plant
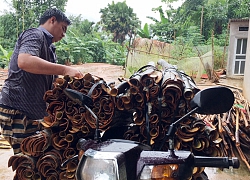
column 165, row 28
column 70, row 49
column 4, row 57
column 145, row 32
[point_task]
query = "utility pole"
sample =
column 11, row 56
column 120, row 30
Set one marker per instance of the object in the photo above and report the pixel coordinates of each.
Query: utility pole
column 202, row 12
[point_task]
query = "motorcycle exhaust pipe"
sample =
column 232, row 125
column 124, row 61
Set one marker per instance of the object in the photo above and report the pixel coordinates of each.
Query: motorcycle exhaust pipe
column 221, row 162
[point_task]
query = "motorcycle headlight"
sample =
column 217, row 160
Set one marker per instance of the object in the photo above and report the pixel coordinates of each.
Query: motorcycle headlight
column 97, row 165
column 159, row 172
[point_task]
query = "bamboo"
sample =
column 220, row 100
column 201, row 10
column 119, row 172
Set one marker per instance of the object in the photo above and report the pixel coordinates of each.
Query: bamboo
column 237, row 129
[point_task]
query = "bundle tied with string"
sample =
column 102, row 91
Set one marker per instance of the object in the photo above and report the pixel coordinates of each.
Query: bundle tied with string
column 148, row 102
column 64, row 125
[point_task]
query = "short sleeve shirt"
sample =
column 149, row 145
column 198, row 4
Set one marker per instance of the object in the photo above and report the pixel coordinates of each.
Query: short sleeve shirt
column 23, row 90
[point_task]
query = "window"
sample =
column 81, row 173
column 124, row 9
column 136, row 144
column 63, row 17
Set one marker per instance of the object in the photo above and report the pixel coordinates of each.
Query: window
column 240, row 56
column 243, row 28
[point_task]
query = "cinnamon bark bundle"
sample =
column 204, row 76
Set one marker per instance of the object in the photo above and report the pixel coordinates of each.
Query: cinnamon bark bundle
column 24, row 166
column 148, row 102
column 234, row 129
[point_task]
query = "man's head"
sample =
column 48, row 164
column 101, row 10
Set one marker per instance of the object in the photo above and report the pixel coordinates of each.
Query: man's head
column 55, row 22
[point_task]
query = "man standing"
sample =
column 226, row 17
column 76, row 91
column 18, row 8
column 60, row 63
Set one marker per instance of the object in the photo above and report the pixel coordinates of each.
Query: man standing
column 32, row 70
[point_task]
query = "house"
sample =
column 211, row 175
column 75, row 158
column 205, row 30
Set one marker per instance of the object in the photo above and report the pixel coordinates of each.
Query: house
column 237, row 47
column 239, row 53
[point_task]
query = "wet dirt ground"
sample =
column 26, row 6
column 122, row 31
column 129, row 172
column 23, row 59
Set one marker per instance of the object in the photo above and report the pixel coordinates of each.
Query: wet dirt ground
column 243, row 173
column 111, row 73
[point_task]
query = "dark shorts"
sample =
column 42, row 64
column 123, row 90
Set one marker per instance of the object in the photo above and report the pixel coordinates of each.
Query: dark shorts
column 16, row 126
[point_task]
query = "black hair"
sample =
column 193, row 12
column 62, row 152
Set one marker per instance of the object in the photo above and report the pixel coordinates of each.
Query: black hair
column 59, row 15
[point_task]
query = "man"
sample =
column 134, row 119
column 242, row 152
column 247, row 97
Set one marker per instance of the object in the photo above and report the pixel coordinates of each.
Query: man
column 32, row 70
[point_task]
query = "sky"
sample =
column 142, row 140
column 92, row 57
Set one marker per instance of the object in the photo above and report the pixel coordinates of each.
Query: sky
column 89, row 9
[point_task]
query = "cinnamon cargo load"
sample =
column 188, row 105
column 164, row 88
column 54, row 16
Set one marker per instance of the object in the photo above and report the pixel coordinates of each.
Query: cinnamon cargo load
column 146, row 104
column 233, row 129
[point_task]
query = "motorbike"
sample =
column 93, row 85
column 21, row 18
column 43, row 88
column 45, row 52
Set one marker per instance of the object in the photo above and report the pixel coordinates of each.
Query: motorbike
column 119, row 159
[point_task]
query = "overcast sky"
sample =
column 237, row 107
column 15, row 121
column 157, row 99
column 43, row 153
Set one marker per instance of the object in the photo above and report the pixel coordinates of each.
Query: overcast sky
column 90, row 8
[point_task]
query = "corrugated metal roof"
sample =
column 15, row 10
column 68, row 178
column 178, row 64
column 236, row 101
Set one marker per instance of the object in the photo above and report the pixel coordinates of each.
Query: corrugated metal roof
column 239, row 20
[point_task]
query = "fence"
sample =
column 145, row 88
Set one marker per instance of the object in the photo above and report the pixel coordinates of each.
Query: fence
column 145, row 50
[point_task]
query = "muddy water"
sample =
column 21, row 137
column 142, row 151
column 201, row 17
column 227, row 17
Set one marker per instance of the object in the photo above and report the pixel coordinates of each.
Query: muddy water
column 228, row 174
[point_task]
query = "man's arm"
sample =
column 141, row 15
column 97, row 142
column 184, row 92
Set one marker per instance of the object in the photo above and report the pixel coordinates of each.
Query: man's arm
column 36, row 65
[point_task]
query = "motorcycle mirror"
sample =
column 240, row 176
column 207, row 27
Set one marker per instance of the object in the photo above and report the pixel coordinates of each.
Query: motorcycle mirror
column 78, row 97
column 213, row 100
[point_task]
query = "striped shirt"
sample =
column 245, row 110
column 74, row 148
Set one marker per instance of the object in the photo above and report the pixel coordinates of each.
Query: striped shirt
column 22, row 90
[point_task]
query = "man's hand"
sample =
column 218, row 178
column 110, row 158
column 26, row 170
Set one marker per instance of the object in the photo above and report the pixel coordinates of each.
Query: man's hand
column 73, row 72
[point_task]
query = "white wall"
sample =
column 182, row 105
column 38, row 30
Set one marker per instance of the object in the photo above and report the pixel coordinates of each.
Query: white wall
column 235, row 34
column 246, row 81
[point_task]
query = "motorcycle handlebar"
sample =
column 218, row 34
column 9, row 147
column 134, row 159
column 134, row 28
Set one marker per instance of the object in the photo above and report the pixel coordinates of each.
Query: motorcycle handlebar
column 222, row 162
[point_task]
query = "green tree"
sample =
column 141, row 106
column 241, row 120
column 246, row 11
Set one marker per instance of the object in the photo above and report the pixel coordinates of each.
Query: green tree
column 165, row 28
column 8, row 30
column 28, row 11
column 25, row 14
column 215, row 17
column 120, row 20
column 238, row 9
column 183, row 45
column 210, row 15
column 188, row 15
column 81, row 27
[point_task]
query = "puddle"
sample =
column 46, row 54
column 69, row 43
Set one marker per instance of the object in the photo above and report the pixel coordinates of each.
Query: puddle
column 228, row 174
